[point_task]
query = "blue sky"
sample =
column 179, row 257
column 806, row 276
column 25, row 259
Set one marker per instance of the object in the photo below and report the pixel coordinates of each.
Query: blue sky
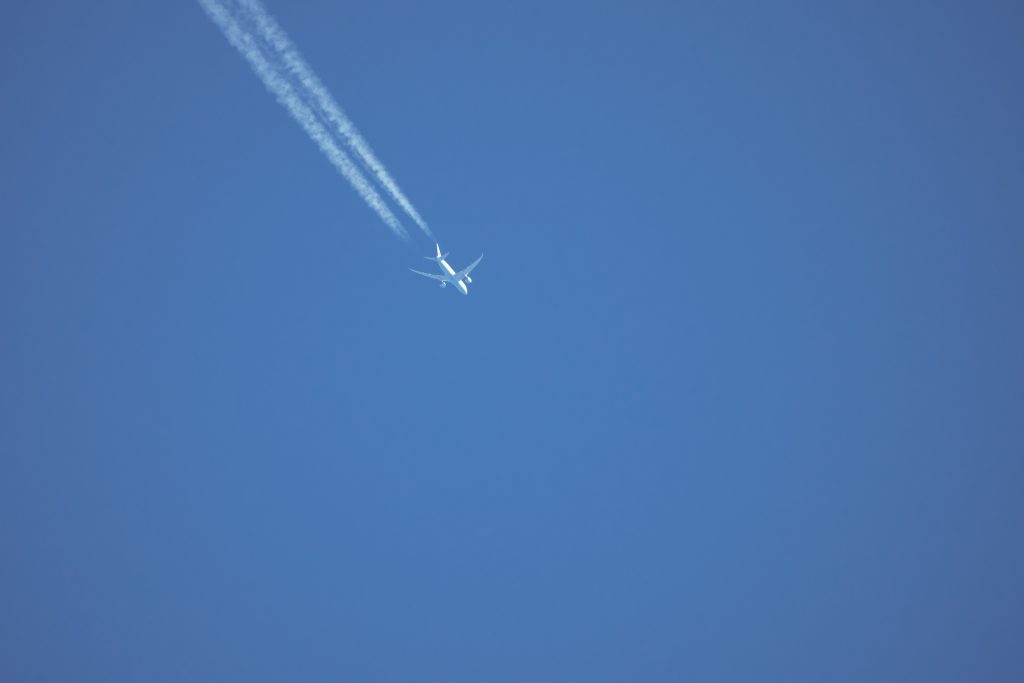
column 736, row 395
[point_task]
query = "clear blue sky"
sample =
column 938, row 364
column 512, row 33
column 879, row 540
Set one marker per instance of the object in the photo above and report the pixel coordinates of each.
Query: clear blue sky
column 737, row 393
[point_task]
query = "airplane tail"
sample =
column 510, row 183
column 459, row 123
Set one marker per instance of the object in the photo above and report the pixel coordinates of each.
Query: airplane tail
column 437, row 259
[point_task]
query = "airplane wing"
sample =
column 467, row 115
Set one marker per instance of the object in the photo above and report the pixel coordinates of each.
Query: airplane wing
column 436, row 277
column 465, row 271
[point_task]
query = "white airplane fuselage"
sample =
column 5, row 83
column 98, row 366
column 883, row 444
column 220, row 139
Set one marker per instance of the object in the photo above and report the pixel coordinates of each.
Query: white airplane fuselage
column 449, row 271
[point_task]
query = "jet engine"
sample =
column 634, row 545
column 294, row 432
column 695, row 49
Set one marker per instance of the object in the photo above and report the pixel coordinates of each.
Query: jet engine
column 443, row 285
column 469, row 279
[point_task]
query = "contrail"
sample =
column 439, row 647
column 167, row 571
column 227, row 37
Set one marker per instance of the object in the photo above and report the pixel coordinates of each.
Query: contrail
column 327, row 107
column 279, row 86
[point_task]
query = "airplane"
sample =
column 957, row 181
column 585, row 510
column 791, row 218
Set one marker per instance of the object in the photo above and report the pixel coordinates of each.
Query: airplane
column 450, row 277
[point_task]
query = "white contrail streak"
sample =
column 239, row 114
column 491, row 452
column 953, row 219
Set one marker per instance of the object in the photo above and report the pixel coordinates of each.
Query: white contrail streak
column 279, row 86
column 318, row 94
